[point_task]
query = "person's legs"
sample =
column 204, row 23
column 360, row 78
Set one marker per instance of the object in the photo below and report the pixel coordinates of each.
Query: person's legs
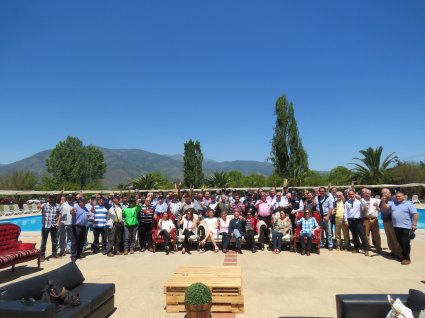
column 74, row 242
column 309, row 236
column 119, row 237
column 238, row 237
column 404, row 240
column 96, row 233
column 338, row 229
column 279, row 240
column 360, row 231
column 81, row 230
column 346, row 234
column 302, row 241
column 44, row 236
column 62, row 239
column 225, row 240
column 54, row 238
column 374, row 228
column 392, row 241
column 111, row 240
column 141, row 235
column 126, row 239
column 326, row 233
column 274, row 240
column 104, row 234
column 352, row 224
column 133, row 231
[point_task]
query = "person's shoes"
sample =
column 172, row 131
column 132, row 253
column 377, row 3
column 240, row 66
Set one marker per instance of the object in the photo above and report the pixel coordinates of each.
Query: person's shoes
column 150, row 250
column 143, row 249
column 338, row 249
column 225, row 251
column 399, row 259
column 125, row 252
column 188, row 252
column 118, row 253
column 240, row 251
column 330, row 249
column 55, row 256
column 183, row 250
column 103, row 252
column 303, row 252
column 405, row 262
column 262, row 247
column 167, row 250
column 131, row 251
column 42, row 258
column 308, row 253
column 366, row 253
column 62, row 254
column 81, row 256
column 73, row 259
column 254, row 250
column 111, row 254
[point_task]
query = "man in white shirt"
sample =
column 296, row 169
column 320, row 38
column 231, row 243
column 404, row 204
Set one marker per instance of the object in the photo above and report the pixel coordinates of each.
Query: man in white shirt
column 370, row 219
column 353, row 219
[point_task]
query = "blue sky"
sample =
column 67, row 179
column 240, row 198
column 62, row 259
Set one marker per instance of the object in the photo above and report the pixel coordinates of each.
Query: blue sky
column 127, row 74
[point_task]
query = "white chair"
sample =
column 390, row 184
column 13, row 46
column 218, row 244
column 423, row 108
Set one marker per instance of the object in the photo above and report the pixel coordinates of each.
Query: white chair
column 17, row 210
column 415, row 199
column 6, row 210
column 34, row 208
column 377, row 196
column 26, row 209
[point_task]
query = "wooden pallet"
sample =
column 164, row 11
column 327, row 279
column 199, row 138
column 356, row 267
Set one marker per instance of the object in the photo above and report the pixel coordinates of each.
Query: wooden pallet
column 225, row 283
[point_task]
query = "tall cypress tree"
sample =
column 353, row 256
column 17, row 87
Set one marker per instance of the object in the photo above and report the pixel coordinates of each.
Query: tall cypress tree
column 288, row 154
column 192, row 164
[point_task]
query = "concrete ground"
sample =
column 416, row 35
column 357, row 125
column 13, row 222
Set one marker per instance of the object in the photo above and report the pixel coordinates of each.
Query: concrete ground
column 287, row 284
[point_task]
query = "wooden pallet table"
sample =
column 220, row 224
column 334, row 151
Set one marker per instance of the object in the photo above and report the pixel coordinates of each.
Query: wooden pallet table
column 225, row 283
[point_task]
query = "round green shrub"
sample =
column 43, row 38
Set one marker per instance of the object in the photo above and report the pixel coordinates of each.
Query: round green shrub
column 197, row 294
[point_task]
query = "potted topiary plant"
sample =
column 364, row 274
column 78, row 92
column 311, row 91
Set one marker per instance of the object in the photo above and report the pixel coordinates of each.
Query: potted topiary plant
column 197, row 301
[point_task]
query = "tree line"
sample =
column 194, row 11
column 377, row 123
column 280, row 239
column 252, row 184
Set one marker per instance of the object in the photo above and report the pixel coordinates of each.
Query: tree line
column 74, row 166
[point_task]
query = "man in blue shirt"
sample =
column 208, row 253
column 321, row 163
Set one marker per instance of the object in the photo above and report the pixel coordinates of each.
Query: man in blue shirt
column 308, row 225
column 405, row 219
column 353, row 219
column 79, row 216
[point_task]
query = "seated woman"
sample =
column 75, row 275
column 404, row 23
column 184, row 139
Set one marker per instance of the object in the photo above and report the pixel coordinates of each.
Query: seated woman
column 250, row 224
column 223, row 230
column 165, row 225
column 308, row 224
column 211, row 230
column 189, row 222
column 281, row 225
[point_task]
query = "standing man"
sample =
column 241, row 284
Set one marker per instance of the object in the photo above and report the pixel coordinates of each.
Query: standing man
column 80, row 216
column 352, row 218
column 325, row 204
column 100, row 228
column 116, row 227
column 370, row 219
column 264, row 213
column 392, row 242
column 50, row 216
column 405, row 219
column 65, row 232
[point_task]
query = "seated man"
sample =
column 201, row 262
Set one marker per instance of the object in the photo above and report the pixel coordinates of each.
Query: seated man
column 236, row 229
column 308, row 224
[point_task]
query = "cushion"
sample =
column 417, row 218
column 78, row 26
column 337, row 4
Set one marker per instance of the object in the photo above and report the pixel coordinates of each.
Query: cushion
column 9, row 234
column 26, row 253
column 416, row 301
column 68, row 276
column 96, row 294
column 8, row 258
column 31, row 287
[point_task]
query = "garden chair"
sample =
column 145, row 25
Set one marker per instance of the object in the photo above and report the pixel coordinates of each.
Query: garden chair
column 415, row 199
column 17, row 210
column 6, row 210
column 26, row 209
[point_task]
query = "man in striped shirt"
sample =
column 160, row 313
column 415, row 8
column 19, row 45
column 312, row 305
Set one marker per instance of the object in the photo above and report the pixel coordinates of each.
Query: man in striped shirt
column 99, row 227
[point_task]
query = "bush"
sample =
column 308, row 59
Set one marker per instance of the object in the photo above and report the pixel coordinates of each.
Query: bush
column 197, row 294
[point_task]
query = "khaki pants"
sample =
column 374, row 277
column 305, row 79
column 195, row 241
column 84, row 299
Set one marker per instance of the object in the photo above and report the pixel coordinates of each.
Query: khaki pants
column 393, row 244
column 340, row 225
column 372, row 225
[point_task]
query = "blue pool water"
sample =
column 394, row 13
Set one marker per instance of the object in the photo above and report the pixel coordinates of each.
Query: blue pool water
column 33, row 223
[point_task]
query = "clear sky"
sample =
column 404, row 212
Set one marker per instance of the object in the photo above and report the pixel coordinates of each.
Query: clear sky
column 151, row 75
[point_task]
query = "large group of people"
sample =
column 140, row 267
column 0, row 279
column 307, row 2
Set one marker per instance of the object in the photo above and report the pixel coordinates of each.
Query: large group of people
column 123, row 224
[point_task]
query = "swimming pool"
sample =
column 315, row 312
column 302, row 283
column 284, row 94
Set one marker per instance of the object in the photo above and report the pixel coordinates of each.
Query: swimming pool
column 33, row 223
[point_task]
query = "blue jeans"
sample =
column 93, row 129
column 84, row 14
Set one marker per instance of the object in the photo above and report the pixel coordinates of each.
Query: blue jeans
column 238, row 237
column 302, row 240
column 277, row 240
column 53, row 235
column 327, row 230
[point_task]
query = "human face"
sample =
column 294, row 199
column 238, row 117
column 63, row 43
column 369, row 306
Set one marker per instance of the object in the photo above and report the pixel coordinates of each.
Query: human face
column 223, row 198
column 307, row 215
column 165, row 216
column 236, row 215
column 223, row 215
column 309, row 196
column 322, row 192
column 282, row 215
column 352, row 195
column 210, row 213
column 399, row 197
column 339, row 196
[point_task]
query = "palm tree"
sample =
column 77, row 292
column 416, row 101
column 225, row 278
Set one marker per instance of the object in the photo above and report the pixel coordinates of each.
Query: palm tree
column 218, row 179
column 146, row 182
column 371, row 170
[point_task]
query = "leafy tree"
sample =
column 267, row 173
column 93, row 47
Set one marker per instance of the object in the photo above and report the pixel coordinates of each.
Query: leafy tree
column 340, row 176
column 407, row 172
column 371, row 170
column 288, row 154
column 150, row 181
column 255, row 180
column 218, row 180
column 192, row 164
column 70, row 162
column 236, row 179
column 313, row 178
column 18, row 180
column 275, row 180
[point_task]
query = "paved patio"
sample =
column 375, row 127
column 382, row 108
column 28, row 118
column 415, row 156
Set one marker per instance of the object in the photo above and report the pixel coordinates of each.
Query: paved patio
column 287, row 284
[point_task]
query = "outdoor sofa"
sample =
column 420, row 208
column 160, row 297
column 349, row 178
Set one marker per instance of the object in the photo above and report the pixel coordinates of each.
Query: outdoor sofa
column 97, row 300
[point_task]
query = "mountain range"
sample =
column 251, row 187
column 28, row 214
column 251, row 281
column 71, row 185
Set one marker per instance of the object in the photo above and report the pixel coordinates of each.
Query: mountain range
column 123, row 165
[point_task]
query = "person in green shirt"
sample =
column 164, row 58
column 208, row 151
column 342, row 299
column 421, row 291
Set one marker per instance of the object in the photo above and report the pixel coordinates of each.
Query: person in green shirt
column 129, row 215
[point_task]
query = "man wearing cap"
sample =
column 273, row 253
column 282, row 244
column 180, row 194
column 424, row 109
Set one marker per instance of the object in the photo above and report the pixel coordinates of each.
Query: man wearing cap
column 50, row 216
column 116, row 226
column 65, row 231
column 79, row 218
